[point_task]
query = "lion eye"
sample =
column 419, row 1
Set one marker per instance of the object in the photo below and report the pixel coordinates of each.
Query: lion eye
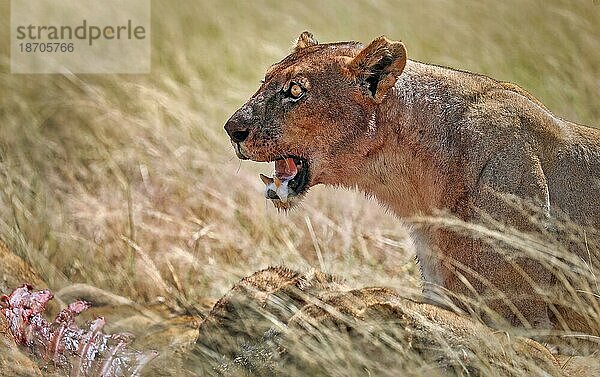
column 296, row 91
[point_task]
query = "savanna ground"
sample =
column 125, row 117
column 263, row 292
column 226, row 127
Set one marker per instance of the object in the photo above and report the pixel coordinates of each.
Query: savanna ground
column 128, row 182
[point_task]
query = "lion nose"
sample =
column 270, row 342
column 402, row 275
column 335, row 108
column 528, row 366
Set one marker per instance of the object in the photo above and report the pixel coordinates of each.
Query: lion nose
column 239, row 136
column 238, row 126
column 236, row 131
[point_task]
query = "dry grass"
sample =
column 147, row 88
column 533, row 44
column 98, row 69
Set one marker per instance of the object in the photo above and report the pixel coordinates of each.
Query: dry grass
column 128, row 182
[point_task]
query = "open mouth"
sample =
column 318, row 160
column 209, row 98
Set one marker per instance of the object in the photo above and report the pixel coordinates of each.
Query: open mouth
column 291, row 179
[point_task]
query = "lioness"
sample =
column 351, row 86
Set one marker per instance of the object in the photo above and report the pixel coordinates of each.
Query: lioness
column 313, row 306
column 423, row 139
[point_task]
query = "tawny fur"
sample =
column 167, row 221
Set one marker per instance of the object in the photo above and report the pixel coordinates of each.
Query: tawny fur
column 425, row 139
column 441, row 338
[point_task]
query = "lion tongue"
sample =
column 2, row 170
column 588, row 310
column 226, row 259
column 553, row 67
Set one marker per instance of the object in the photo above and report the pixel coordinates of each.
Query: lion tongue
column 285, row 169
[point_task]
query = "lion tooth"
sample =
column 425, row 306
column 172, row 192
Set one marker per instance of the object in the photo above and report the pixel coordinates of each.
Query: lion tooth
column 266, row 180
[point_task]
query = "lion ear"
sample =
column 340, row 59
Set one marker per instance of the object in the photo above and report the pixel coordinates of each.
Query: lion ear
column 378, row 65
column 306, row 39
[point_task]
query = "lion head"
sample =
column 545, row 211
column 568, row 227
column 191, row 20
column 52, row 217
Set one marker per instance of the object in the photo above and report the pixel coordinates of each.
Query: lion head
column 315, row 114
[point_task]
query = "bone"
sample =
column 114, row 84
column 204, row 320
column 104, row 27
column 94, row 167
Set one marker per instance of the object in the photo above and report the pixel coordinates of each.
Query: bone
column 282, row 190
column 276, row 185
